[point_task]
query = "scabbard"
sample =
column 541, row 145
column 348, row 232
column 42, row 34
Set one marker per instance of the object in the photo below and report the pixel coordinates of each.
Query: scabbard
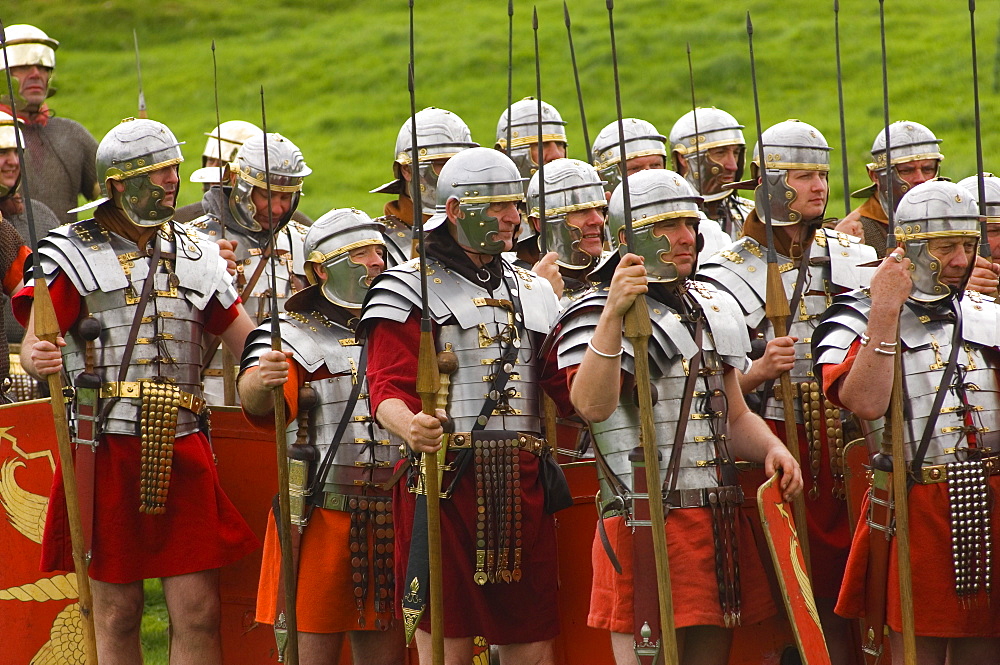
column 87, row 406
column 877, row 577
column 646, row 626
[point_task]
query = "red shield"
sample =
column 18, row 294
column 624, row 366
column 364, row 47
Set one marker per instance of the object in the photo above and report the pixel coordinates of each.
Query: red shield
column 796, row 590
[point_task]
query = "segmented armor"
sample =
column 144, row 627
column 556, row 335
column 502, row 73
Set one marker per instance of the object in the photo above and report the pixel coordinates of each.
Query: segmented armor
column 108, row 273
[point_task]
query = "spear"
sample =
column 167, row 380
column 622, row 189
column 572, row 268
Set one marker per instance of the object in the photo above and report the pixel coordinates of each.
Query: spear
column 694, row 115
column 776, row 307
column 637, row 330
column 228, row 361
column 138, row 70
column 984, row 242
column 510, row 63
column 840, row 99
column 283, row 521
column 46, row 328
column 543, row 244
column 899, row 484
column 579, row 90
column 428, row 384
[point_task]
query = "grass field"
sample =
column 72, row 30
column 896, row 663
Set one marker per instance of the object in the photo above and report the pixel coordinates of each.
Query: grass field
column 334, row 71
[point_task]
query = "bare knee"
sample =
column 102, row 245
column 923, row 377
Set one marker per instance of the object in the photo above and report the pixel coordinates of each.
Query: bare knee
column 118, row 608
column 193, row 602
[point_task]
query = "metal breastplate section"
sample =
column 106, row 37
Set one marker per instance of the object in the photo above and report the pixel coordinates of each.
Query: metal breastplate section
column 619, row 434
column 970, row 407
column 479, row 349
column 168, row 346
column 365, row 452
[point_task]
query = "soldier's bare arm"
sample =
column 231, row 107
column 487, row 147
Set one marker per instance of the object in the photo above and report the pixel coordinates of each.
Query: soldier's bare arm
column 257, row 385
column 45, row 357
column 779, row 356
column 421, row 432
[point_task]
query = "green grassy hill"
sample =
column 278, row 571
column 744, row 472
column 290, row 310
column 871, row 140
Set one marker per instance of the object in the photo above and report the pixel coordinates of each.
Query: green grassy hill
column 334, row 71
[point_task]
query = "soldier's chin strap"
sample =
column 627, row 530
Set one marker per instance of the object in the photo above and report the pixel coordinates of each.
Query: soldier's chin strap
column 945, row 386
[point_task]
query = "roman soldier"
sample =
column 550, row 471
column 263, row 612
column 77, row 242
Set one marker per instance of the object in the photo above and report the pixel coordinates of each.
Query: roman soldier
column 240, row 213
column 717, row 578
column 917, row 306
column 440, row 136
column 136, row 295
column 707, row 147
column 342, row 461
column 815, row 264
column 489, row 318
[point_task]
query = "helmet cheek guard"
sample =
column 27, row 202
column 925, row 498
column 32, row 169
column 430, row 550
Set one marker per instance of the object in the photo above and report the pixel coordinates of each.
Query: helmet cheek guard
column 329, row 243
column 286, row 172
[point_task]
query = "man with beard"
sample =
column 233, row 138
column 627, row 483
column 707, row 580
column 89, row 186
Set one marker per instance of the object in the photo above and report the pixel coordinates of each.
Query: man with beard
column 693, row 325
column 135, row 296
column 815, row 264
column 59, row 153
column 440, row 136
column 500, row 562
column 917, row 306
column 345, row 578
column 709, row 158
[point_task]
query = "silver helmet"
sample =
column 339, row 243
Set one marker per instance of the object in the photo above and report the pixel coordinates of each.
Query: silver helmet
column 991, row 187
column 230, row 135
column 570, row 185
column 523, row 117
column 477, row 177
column 715, row 128
column 329, row 243
column 909, row 142
column 287, row 171
column 655, row 195
column 934, row 209
column 27, row 45
column 129, row 153
column 8, row 139
column 790, row 145
column 641, row 139
column 440, row 135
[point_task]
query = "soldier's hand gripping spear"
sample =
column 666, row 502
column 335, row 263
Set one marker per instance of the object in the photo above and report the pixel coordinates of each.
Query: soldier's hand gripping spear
column 428, row 383
column 289, row 652
column 46, row 328
column 637, row 330
column 776, row 307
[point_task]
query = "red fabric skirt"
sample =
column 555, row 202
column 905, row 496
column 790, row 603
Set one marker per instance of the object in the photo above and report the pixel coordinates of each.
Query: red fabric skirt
column 200, row 530
column 937, row 610
column 826, row 516
column 504, row 613
column 325, row 593
column 694, row 587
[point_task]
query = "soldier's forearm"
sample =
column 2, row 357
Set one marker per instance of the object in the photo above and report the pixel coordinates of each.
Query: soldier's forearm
column 256, row 398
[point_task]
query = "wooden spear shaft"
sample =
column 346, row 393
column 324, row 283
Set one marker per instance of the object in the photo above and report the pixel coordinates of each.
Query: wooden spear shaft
column 899, row 493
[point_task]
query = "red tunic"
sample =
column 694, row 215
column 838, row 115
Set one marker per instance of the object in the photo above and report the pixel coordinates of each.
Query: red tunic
column 938, row 611
column 201, row 528
column 514, row 613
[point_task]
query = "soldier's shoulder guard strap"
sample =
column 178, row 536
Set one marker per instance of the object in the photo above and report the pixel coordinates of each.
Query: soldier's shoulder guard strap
column 847, row 253
column 201, row 271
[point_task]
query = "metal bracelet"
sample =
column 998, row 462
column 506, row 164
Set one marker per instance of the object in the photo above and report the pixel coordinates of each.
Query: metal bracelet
column 590, row 345
column 884, row 352
column 865, row 339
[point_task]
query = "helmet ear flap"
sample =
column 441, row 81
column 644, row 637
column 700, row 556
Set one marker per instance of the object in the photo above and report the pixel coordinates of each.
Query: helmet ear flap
column 699, row 243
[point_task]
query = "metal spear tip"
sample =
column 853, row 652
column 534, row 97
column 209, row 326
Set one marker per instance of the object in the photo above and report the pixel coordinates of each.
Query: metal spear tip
column 972, row 5
column 213, row 46
column 566, row 13
column 534, row 18
column 836, row 5
column 611, row 5
column 689, row 48
column 510, row 7
column 411, row 4
column 750, row 23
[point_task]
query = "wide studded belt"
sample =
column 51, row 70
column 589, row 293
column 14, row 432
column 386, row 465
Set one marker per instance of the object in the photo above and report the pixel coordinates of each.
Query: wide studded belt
column 702, row 497
column 529, row 442
column 938, row 473
column 349, row 502
column 136, row 389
